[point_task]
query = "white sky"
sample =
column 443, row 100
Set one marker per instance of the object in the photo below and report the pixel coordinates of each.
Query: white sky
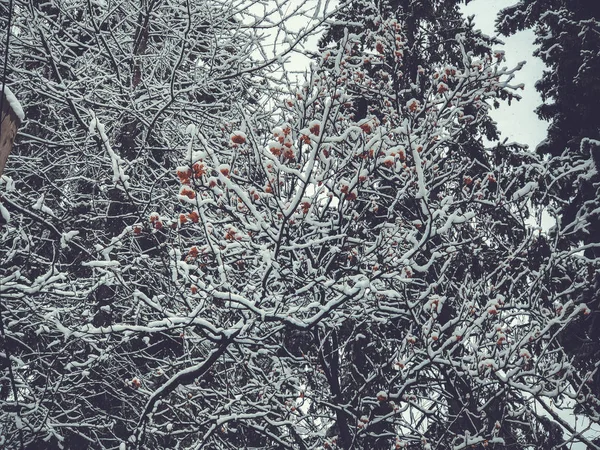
column 517, row 122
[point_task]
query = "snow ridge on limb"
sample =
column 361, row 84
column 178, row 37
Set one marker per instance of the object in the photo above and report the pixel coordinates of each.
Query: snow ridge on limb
column 13, row 102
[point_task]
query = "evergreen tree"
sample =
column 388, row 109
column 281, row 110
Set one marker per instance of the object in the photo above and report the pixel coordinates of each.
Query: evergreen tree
column 568, row 41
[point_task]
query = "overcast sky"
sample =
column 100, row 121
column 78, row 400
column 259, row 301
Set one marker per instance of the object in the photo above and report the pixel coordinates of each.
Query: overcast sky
column 517, row 122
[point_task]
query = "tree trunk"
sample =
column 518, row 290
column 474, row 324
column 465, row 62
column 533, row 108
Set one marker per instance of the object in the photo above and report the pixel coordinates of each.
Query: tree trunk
column 8, row 130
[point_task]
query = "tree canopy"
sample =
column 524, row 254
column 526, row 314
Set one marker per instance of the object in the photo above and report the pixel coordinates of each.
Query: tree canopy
column 201, row 252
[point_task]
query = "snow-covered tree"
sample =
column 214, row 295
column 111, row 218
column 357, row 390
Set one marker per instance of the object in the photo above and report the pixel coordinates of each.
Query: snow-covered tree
column 109, row 89
column 325, row 297
column 260, row 270
column 374, row 296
